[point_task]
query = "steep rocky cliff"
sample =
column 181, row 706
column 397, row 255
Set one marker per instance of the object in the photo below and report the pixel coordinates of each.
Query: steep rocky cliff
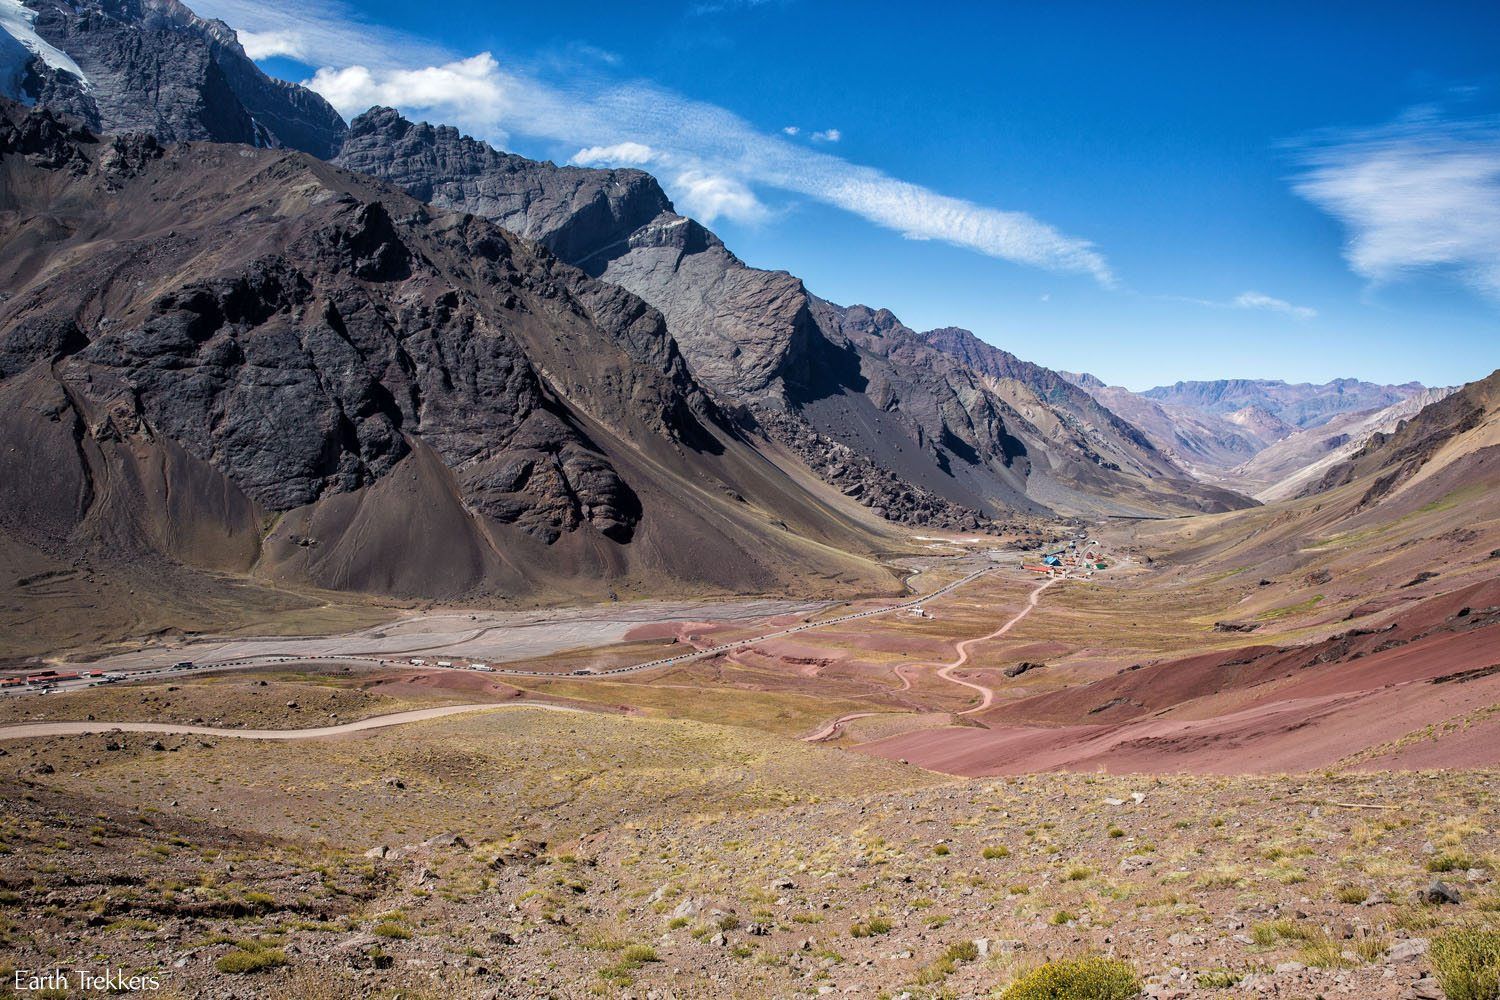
column 155, row 66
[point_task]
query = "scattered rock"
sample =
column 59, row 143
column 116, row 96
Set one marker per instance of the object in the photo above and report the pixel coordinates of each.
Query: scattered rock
column 447, row 840
column 1426, row 988
column 1439, row 892
column 1406, row 951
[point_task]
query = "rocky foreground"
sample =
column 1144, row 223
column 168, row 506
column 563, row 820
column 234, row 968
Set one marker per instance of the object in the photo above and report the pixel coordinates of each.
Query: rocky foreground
column 455, row 872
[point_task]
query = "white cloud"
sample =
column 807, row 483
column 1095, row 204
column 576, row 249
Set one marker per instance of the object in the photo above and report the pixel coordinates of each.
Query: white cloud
column 1422, row 193
column 1259, row 300
column 469, row 92
column 711, row 160
column 633, row 154
column 266, row 44
column 708, row 196
column 702, row 194
column 791, row 130
column 827, row 135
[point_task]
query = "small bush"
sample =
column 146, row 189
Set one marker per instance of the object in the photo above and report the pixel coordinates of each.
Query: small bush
column 995, row 852
column 1115, row 833
column 638, row 954
column 250, row 957
column 941, row 850
column 871, row 927
column 1218, row 979
column 1079, row 873
column 1274, row 931
column 1449, row 861
column 1353, row 895
column 1467, row 963
column 391, row 929
column 632, row 957
column 962, row 951
column 1077, row 979
column 1062, row 917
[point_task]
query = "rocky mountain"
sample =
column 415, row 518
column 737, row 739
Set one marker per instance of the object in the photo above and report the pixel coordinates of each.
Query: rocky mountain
column 1288, row 465
column 154, row 66
column 1078, row 415
column 1203, row 444
column 878, row 411
column 1216, row 430
column 1299, row 405
column 248, row 361
column 1456, row 439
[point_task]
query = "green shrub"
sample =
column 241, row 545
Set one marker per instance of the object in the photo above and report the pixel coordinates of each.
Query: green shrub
column 871, row 927
column 1352, row 894
column 638, row 954
column 391, row 929
column 1467, row 963
column 1449, row 861
column 1218, row 979
column 942, row 850
column 1077, row 979
column 251, row 957
column 962, row 951
column 995, row 852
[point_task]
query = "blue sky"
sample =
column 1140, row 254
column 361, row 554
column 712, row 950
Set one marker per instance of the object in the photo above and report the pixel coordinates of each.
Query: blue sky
column 1149, row 192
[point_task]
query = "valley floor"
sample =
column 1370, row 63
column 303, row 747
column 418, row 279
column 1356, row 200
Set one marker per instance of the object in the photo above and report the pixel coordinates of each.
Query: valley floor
column 1237, row 758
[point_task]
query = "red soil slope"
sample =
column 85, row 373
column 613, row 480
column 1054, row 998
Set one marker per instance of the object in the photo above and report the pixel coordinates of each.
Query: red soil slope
column 1360, row 697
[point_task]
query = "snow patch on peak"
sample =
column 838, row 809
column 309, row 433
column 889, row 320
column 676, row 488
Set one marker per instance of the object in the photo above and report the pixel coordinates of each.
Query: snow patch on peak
column 16, row 20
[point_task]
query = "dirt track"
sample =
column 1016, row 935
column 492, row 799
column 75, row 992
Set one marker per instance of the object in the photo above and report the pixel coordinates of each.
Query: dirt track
column 33, row 730
column 987, row 696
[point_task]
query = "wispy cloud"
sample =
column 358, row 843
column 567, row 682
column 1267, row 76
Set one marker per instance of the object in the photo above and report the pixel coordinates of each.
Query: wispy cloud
column 721, row 6
column 315, row 31
column 1259, row 300
column 1248, row 300
column 1421, row 193
column 827, row 135
column 713, row 161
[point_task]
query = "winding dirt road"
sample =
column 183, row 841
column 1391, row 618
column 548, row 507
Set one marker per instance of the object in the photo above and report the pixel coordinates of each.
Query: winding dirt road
column 32, row 730
column 986, row 695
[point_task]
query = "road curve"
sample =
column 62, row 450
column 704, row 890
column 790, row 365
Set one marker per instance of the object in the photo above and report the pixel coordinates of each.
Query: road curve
column 33, row 730
column 828, row 731
column 987, row 696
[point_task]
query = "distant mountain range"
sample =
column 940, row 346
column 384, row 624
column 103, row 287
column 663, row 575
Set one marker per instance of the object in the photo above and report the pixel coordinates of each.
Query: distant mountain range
column 1213, row 427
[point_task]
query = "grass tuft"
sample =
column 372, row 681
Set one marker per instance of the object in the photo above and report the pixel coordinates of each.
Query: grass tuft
column 1077, row 979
